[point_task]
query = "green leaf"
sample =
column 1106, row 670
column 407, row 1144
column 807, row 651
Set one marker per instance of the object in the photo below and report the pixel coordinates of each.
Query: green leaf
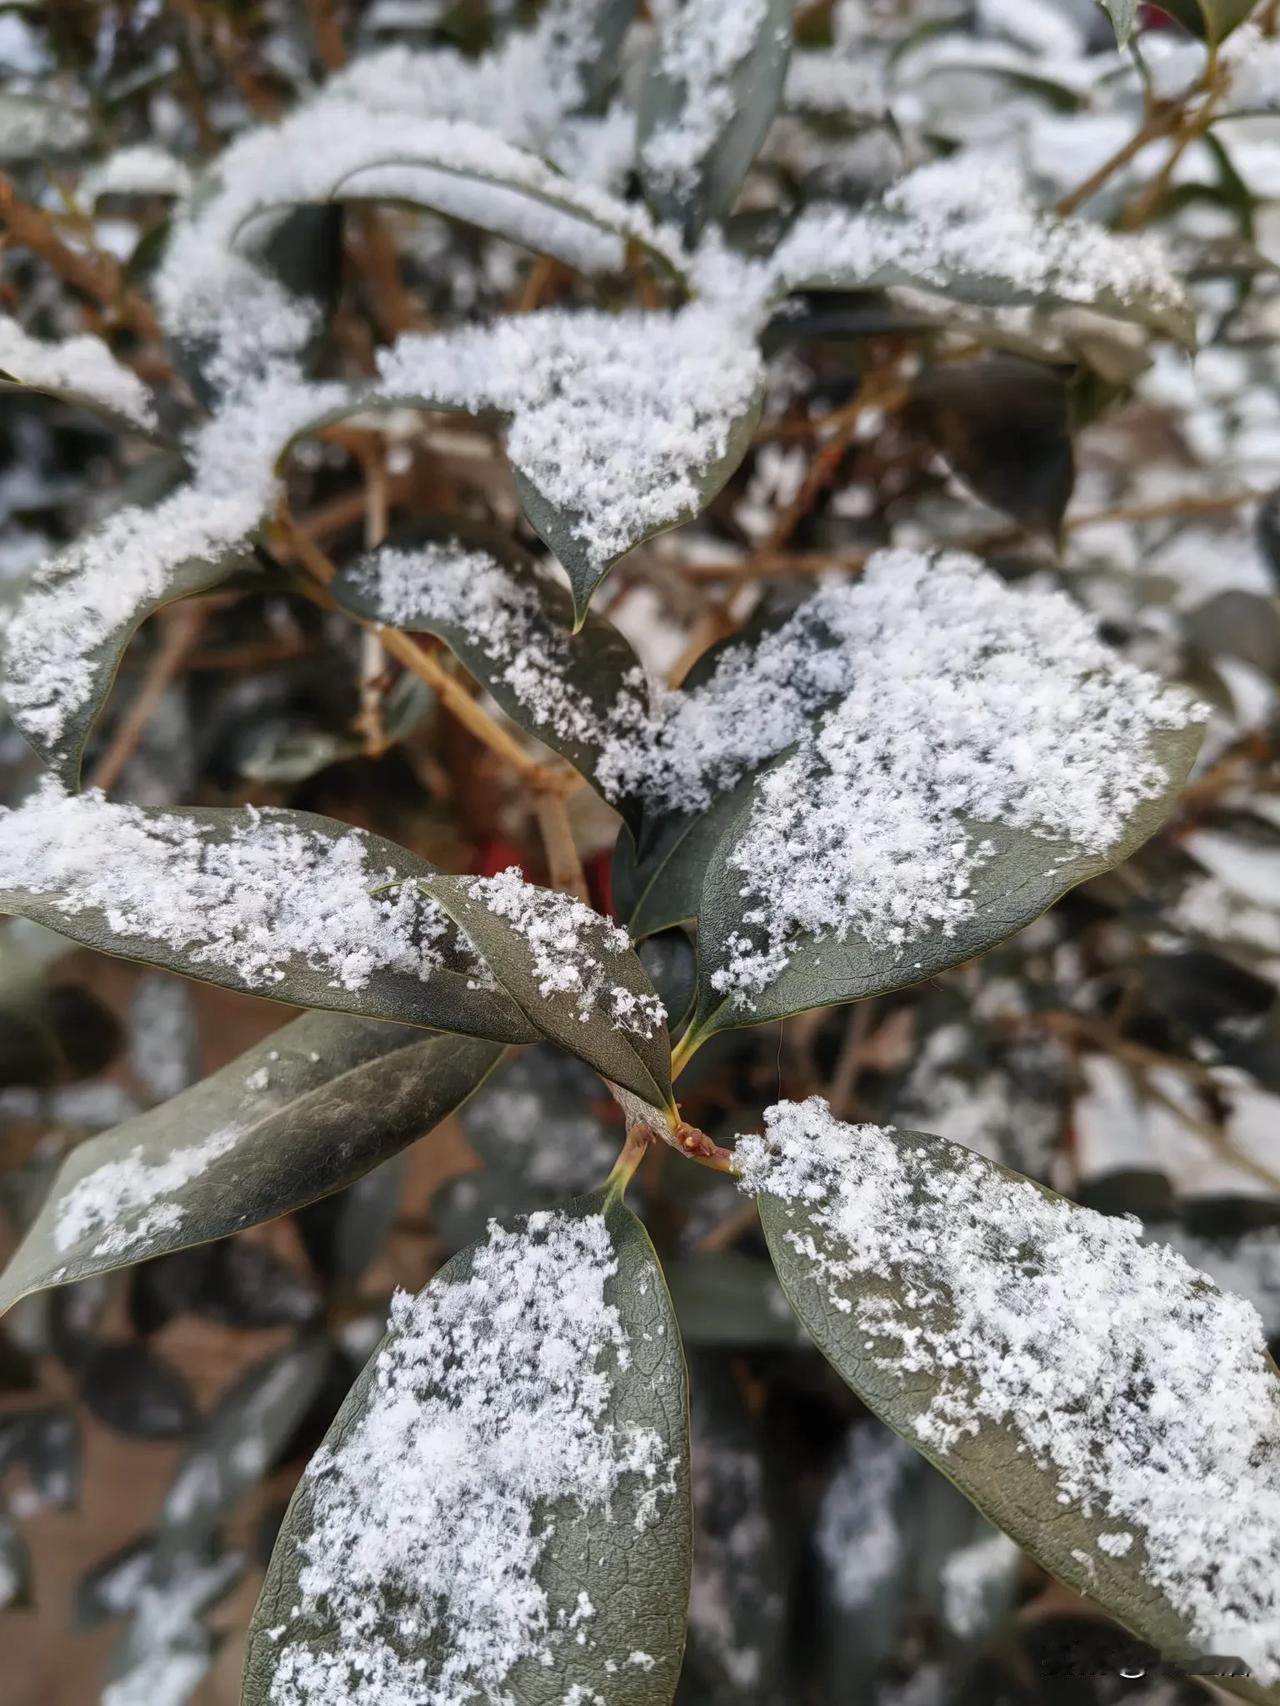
column 306, row 1111
column 862, row 1309
column 593, row 668
column 1024, row 876
column 1211, row 20
column 22, row 661
column 1003, row 424
column 236, row 1444
column 451, row 998
column 636, row 1062
column 673, row 114
column 630, row 1562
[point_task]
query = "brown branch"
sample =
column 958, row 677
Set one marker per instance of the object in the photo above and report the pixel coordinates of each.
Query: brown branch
column 564, row 865
column 183, row 627
column 96, row 276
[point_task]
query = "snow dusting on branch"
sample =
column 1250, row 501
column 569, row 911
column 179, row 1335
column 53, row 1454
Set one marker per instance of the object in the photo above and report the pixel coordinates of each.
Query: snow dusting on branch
column 1163, row 1426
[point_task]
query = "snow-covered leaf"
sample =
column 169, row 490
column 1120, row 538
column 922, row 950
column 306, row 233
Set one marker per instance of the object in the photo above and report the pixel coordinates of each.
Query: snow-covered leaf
column 511, row 624
column 235, row 1445
column 78, row 620
column 502, row 1504
column 67, row 633
column 302, row 1113
column 961, row 1301
column 572, row 973
column 620, row 426
column 988, row 754
column 33, row 127
column 713, row 86
column 284, row 904
column 81, row 371
column 969, row 228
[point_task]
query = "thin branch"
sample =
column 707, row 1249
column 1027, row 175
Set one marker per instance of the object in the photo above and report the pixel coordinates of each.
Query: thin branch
column 183, row 628
column 564, row 864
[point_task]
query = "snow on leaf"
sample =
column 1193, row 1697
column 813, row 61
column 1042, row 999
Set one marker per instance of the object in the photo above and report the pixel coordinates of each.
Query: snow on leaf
column 974, row 724
column 305, row 1112
column 713, row 87
column 571, row 972
column 509, row 621
column 501, row 1506
column 79, row 370
column 65, row 638
column 967, row 226
column 621, row 425
column 279, row 903
column 962, row 1302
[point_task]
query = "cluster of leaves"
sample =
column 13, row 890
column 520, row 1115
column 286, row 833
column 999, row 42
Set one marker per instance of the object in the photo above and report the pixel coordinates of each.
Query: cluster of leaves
column 1123, row 1046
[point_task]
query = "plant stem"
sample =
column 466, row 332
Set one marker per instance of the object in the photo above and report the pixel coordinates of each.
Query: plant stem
column 637, row 1143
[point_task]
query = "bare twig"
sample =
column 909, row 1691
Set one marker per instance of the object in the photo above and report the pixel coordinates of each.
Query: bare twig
column 183, row 627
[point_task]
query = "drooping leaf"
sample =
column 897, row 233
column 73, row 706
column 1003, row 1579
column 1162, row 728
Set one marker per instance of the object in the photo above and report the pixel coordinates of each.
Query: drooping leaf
column 61, row 741
column 566, row 970
column 615, row 1574
column 704, row 111
column 509, row 623
column 302, row 1113
column 1024, row 876
column 895, row 1247
column 738, row 1601
column 1211, row 20
column 235, row 1445
column 130, row 1388
column 275, row 876
column 1004, row 426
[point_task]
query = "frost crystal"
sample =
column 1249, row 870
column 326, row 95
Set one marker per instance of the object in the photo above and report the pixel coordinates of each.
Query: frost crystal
column 615, row 418
column 1165, row 1424
column 966, row 704
column 81, row 365
column 702, row 43
column 567, row 941
column 250, row 904
column 136, row 1188
column 431, row 1517
column 501, row 613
